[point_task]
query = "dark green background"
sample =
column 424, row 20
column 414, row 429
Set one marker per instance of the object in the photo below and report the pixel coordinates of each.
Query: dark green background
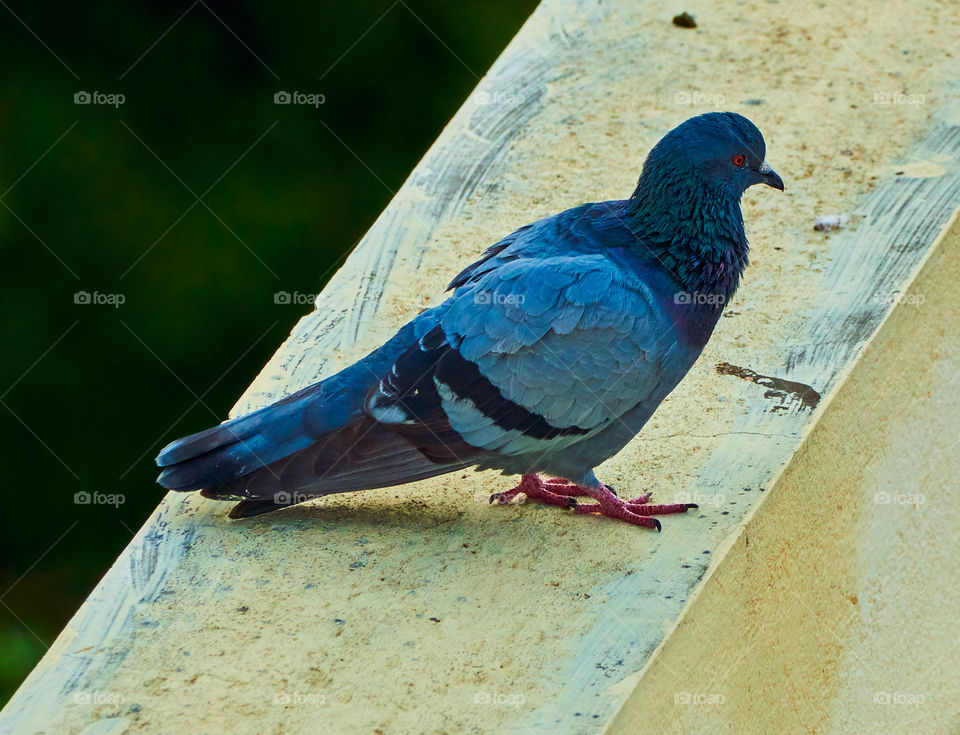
column 91, row 392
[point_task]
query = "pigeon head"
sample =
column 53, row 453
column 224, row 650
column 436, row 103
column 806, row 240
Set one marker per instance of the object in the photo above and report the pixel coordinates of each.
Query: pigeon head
column 720, row 150
column 686, row 207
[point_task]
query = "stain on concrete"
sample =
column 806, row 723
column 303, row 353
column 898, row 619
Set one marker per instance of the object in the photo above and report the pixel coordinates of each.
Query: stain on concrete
column 777, row 388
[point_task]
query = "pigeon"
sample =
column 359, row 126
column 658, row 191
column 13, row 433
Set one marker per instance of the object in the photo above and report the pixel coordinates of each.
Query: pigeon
column 549, row 355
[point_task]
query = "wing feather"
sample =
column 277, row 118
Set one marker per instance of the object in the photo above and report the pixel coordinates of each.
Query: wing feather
column 535, row 354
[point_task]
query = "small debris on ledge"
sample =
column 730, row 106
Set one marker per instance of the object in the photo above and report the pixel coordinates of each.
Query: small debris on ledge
column 685, row 20
column 830, row 222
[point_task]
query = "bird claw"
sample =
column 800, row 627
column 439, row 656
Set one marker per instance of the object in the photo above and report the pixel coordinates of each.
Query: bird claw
column 638, row 511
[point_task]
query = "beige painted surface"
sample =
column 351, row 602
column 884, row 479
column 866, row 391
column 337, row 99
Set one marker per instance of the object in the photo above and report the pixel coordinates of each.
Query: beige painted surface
column 836, row 609
column 422, row 608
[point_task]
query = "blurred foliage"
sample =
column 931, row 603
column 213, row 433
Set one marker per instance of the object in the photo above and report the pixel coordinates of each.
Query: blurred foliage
column 91, row 392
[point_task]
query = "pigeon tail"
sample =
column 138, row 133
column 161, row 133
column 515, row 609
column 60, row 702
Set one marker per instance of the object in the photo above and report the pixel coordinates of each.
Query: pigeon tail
column 240, row 446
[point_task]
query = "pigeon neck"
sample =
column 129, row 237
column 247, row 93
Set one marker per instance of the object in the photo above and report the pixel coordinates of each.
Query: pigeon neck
column 695, row 232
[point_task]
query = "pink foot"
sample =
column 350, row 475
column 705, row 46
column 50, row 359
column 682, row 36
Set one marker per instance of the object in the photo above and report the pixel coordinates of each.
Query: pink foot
column 563, row 493
column 551, row 492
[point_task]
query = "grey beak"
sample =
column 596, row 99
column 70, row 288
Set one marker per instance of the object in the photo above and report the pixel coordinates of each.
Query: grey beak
column 770, row 177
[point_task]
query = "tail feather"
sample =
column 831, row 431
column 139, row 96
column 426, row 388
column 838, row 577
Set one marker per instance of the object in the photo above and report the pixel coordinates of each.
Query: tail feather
column 240, row 446
column 250, row 508
column 314, row 442
column 233, row 431
column 362, row 455
column 236, row 447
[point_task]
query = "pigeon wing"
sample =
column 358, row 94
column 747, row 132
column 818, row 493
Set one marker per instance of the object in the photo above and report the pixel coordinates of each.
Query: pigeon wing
column 530, row 357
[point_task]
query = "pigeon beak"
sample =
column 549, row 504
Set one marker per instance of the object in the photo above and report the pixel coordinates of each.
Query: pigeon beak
column 769, row 176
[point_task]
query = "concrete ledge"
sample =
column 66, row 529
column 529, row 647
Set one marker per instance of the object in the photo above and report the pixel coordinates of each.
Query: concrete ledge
column 423, row 609
column 834, row 610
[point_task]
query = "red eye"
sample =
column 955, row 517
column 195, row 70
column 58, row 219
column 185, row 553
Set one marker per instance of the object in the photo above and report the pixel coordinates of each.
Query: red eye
column 739, row 160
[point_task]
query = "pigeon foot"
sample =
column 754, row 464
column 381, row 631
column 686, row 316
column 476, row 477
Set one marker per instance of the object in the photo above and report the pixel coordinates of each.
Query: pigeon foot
column 637, row 511
column 552, row 491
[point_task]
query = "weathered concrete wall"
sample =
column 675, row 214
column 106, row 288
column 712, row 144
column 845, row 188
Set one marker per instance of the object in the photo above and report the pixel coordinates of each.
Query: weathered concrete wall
column 835, row 610
column 423, row 609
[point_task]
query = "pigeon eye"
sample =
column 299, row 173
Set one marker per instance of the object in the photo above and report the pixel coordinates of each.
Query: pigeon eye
column 739, row 160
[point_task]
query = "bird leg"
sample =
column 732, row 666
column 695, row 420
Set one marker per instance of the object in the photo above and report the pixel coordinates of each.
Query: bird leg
column 637, row 511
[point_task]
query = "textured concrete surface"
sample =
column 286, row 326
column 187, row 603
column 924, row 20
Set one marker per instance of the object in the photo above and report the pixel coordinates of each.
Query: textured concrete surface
column 423, row 609
column 835, row 611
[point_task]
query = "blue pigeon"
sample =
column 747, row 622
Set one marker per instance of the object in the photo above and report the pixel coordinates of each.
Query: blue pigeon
column 552, row 352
